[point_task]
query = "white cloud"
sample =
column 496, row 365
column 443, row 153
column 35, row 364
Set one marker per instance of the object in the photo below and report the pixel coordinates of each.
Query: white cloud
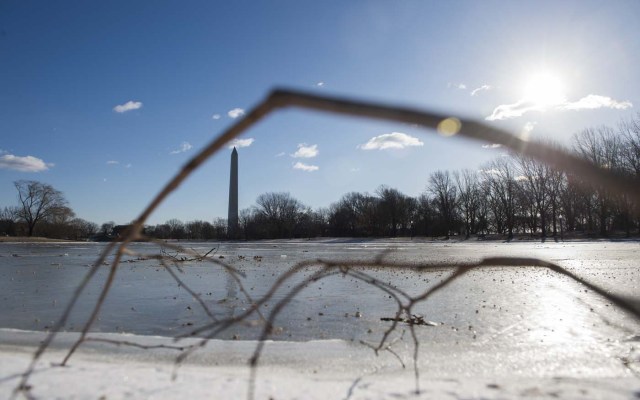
column 480, row 89
column 491, row 146
column 305, row 167
column 23, row 164
column 241, row 143
column 320, row 84
column 305, row 151
column 128, row 106
column 216, row 116
column 507, row 111
column 590, row 102
column 235, row 113
column 594, row 101
column 394, row 140
column 184, row 147
column 113, row 162
column 282, row 153
column 460, row 86
column 520, row 178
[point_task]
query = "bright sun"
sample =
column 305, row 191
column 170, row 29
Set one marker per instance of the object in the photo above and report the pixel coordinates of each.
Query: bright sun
column 544, row 89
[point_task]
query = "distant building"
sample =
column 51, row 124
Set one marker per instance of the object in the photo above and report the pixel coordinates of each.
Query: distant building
column 232, row 220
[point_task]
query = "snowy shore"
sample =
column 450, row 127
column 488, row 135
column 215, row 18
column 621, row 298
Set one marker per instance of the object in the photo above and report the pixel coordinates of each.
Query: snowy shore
column 329, row 369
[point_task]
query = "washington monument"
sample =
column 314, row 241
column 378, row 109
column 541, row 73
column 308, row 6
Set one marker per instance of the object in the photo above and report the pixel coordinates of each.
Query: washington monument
column 232, row 220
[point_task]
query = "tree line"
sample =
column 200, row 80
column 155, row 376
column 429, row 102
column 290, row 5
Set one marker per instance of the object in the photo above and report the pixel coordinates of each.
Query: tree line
column 510, row 195
column 43, row 211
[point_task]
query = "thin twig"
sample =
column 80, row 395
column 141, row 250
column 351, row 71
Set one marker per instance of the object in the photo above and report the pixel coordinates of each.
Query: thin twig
column 475, row 130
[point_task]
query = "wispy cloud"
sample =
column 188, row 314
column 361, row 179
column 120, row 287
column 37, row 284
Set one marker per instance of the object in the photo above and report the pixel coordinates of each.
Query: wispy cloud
column 491, row 146
column 235, row 113
column 128, row 106
column 320, row 84
column 184, row 147
column 480, row 89
column 589, row 102
column 216, row 116
column 282, row 153
column 305, row 167
column 594, row 101
column 115, row 162
column 23, row 164
column 305, row 151
column 507, row 111
column 241, row 143
column 460, row 85
column 394, row 140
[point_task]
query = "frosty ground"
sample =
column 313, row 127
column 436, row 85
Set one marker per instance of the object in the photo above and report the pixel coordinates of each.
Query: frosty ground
column 500, row 332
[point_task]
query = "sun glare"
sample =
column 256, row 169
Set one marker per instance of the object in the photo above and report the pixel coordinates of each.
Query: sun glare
column 544, row 89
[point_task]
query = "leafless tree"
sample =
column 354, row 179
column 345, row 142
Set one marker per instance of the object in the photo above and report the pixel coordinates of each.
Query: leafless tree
column 534, row 177
column 279, row 212
column 8, row 218
column 630, row 130
column 38, row 201
column 446, row 196
column 602, row 147
column 468, row 199
column 395, row 209
column 82, row 229
column 178, row 230
column 500, row 176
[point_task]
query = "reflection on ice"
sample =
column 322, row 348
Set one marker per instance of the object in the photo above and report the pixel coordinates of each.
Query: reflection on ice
column 502, row 305
column 561, row 317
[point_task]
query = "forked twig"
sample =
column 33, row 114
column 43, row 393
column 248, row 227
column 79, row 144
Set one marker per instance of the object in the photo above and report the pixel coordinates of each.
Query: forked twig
column 471, row 129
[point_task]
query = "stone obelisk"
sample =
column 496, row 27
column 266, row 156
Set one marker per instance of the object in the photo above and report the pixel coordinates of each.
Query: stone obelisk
column 232, row 220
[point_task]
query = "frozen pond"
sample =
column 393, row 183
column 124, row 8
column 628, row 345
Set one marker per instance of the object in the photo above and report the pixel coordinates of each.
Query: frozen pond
column 489, row 304
column 499, row 332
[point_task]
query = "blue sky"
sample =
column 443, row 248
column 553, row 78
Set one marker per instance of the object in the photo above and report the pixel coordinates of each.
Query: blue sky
column 107, row 100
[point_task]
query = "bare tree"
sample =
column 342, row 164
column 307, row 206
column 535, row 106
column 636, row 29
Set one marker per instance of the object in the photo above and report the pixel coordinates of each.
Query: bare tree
column 534, row 177
column 82, row 229
column 602, row 147
column 38, row 201
column 631, row 155
column 8, row 219
column 442, row 187
column 280, row 212
column 345, row 216
column 631, row 150
column 178, row 229
column 500, row 175
column 392, row 209
column 468, row 198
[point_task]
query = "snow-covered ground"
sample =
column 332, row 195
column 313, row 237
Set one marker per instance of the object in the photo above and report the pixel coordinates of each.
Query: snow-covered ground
column 501, row 333
column 328, row 369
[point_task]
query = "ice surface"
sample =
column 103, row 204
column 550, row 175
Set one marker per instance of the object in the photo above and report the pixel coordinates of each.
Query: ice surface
column 501, row 333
